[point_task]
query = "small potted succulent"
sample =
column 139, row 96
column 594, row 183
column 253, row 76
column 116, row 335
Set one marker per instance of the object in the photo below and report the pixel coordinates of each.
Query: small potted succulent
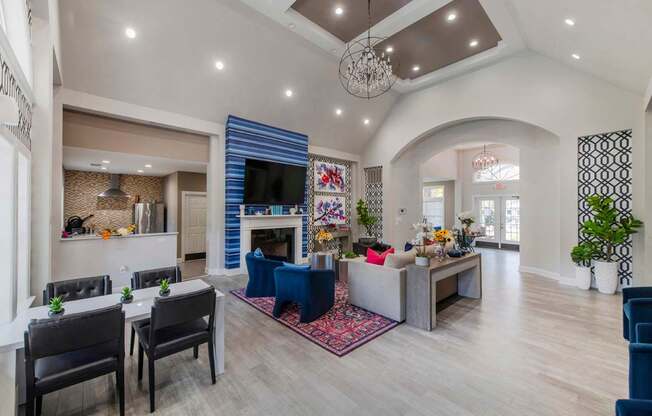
column 164, row 288
column 349, row 255
column 582, row 255
column 55, row 307
column 127, row 295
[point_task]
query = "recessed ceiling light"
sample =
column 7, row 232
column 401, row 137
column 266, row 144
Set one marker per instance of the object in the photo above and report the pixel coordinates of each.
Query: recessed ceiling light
column 106, row 161
column 334, row 50
column 339, row 11
column 416, row 68
column 148, row 165
column 389, row 49
column 289, row 93
column 575, row 56
column 291, row 25
column 219, row 65
column 473, row 43
column 140, row 171
column 366, row 121
column 570, row 22
column 451, row 17
column 103, row 168
column 338, row 111
column 130, row 32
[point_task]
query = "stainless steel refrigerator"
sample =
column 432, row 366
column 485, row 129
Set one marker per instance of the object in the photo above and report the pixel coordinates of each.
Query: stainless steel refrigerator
column 149, row 217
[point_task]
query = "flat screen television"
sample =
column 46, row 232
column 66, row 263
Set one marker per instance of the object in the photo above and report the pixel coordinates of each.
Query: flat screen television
column 271, row 183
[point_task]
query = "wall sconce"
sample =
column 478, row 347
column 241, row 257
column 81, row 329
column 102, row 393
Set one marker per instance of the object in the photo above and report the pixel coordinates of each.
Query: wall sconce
column 8, row 111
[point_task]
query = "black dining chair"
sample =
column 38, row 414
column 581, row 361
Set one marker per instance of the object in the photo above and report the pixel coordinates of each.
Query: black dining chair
column 177, row 323
column 82, row 288
column 149, row 278
column 67, row 350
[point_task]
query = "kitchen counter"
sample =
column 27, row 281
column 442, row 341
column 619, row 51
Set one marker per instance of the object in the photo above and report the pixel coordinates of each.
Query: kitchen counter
column 82, row 237
column 118, row 257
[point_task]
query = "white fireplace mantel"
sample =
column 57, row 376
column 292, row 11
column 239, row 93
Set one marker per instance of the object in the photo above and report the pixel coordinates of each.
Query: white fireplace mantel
column 262, row 222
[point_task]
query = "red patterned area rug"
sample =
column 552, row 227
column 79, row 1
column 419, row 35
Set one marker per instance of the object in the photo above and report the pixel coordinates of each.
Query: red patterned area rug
column 344, row 328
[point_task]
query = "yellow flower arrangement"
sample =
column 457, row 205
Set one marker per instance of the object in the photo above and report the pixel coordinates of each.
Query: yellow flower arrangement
column 323, row 235
column 442, row 236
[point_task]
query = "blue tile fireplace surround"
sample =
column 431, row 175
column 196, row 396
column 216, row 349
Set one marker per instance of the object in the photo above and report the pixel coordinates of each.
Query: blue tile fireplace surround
column 247, row 139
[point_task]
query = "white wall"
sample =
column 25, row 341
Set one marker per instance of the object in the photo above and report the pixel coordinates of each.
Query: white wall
column 535, row 90
column 440, row 167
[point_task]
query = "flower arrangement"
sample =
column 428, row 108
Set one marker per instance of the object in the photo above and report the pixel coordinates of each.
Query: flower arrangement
column 467, row 219
column 443, row 236
column 322, row 237
column 424, row 235
column 125, row 231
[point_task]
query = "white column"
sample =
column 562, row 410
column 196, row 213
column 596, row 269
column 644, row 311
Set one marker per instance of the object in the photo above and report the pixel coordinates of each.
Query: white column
column 215, row 188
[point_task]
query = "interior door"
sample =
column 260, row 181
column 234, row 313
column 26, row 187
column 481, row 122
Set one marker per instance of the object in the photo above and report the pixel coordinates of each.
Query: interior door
column 195, row 224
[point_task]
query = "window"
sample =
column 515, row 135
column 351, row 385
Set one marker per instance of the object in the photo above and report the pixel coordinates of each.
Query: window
column 501, row 172
column 433, row 205
column 488, row 217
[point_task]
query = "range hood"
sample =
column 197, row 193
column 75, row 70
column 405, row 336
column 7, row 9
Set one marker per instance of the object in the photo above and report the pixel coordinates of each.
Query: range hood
column 114, row 190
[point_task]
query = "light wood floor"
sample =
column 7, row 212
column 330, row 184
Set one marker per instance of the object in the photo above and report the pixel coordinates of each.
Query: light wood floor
column 529, row 347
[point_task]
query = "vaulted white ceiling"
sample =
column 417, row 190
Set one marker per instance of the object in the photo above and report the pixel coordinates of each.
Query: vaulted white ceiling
column 266, row 49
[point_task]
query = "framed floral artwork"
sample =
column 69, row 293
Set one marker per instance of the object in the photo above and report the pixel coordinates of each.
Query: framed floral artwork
column 330, row 177
column 329, row 210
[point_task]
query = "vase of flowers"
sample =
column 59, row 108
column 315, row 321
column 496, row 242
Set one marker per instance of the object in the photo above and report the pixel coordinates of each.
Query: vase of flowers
column 607, row 229
column 424, row 234
column 446, row 242
column 322, row 237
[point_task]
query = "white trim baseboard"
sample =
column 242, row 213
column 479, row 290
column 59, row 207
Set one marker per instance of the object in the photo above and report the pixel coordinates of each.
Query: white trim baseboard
column 540, row 272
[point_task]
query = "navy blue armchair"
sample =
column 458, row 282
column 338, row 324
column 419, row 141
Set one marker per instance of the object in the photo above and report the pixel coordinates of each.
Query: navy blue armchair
column 640, row 370
column 261, row 275
column 313, row 290
column 637, row 308
column 634, row 408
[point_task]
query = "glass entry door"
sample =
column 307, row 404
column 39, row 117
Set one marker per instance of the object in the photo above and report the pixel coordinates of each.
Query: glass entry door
column 500, row 216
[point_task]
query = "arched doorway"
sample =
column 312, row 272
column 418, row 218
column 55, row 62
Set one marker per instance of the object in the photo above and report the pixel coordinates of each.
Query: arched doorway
column 539, row 188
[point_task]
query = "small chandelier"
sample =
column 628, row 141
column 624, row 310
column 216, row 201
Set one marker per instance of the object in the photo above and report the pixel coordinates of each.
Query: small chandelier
column 484, row 160
column 365, row 70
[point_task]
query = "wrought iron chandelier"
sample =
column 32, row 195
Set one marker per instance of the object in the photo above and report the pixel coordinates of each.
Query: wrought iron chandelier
column 365, row 70
column 484, row 160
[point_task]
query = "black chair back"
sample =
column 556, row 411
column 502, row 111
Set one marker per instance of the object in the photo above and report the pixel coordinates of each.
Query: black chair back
column 149, row 278
column 176, row 310
column 48, row 337
column 85, row 287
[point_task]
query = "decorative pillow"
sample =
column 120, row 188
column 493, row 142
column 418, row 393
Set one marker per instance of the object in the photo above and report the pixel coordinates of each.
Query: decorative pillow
column 374, row 257
column 259, row 253
column 400, row 260
column 297, row 266
column 408, row 247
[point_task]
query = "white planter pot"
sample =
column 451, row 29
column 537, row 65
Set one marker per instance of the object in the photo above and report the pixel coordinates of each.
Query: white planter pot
column 422, row 261
column 583, row 277
column 606, row 276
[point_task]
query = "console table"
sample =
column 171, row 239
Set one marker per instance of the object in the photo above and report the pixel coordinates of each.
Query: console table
column 421, row 286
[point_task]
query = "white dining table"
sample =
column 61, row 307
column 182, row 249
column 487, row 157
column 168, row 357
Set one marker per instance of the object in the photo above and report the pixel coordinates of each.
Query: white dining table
column 12, row 334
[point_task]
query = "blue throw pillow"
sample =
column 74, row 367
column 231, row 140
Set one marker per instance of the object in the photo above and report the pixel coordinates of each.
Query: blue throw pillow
column 297, row 266
column 259, row 253
column 408, row 247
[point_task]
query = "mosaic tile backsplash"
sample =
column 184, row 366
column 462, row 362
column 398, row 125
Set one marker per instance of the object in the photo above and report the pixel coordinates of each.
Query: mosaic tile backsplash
column 81, row 190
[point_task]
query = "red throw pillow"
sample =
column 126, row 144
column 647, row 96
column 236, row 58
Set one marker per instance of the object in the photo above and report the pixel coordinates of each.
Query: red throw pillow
column 374, row 257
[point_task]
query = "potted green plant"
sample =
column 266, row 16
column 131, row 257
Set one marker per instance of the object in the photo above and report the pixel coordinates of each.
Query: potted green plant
column 55, row 307
column 608, row 229
column 164, row 288
column 582, row 255
column 349, row 255
column 366, row 220
column 127, row 295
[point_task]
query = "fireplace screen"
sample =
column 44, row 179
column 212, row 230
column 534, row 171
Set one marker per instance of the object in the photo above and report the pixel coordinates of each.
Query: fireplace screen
column 275, row 243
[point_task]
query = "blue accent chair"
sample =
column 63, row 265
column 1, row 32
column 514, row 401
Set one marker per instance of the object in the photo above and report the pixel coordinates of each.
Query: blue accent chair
column 313, row 290
column 634, row 408
column 640, row 363
column 261, row 275
column 637, row 308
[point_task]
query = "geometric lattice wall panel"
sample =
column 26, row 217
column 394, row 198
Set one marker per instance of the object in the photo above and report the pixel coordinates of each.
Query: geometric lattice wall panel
column 247, row 139
column 604, row 167
column 373, row 195
column 346, row 195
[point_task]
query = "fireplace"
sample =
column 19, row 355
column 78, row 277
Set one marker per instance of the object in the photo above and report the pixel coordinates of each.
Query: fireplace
column 277, row 242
